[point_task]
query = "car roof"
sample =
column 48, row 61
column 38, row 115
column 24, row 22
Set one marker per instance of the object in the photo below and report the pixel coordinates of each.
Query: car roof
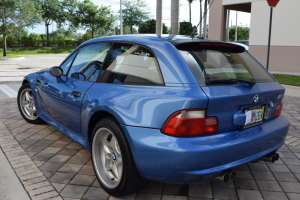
column 147, row 39
column 151, row 40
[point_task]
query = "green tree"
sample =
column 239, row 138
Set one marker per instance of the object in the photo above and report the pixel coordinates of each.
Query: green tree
column 186, row 28
column 15, row 15
column 126, row 30
column 59, row 11
column 134, row 13
column 242, row 33
column 18, row 34
column 92, row 17
column 150, row 25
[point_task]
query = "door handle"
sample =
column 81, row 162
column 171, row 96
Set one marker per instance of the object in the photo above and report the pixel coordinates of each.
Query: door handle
column 75, row 94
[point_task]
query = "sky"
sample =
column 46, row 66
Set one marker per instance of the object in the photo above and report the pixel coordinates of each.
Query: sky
column 243, row 18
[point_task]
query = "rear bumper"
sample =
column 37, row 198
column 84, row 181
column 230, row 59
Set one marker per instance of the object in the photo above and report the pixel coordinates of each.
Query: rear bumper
column 164, row 158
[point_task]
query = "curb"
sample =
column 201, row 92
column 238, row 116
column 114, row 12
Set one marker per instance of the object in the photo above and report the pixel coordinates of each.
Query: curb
column 21, row 58
column 32, row 179
column 290, row 90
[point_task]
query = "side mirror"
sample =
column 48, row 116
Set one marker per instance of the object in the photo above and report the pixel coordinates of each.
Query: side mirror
column 56, row 71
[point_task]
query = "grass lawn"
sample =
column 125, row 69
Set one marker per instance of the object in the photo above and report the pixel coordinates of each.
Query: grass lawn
column 287, row 79
column 37, row 51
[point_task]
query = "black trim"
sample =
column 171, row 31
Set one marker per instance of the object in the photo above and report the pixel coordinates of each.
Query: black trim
column 207, row 45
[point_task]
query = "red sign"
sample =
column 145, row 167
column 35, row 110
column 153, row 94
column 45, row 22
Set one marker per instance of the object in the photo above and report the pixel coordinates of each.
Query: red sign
column 272, row 3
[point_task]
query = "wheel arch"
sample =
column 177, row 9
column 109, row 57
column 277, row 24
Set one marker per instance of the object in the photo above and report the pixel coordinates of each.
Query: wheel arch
column 94, row 119
column 25, row 81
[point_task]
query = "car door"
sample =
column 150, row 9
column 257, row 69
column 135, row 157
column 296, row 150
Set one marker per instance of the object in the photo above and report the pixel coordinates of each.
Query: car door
column 63, row 96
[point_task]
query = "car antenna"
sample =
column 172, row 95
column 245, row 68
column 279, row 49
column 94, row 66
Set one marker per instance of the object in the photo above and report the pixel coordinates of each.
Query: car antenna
column 193, row 33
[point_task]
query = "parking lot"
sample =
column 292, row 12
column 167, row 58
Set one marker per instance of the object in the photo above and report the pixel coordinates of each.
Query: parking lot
column 51, row 166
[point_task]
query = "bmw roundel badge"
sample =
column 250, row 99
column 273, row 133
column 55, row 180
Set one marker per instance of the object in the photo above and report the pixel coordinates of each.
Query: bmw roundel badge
column 256, row 99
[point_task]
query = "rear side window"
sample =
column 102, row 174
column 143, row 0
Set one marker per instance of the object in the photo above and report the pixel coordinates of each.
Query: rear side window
column 220, row 67
column 130, row 64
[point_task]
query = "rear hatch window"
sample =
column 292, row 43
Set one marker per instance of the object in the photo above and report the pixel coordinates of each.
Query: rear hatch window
column 216, row 63
column 236, row 85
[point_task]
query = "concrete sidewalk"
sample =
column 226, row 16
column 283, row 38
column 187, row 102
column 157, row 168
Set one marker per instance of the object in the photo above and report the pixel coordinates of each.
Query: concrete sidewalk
column 10, row 185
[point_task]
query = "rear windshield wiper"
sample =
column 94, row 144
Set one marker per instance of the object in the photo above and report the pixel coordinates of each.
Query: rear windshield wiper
column 229, row 80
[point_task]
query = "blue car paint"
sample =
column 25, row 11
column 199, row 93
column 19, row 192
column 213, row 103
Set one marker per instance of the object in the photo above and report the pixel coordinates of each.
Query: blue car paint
column 143, row 106
column 226, row 101
column 142, row 110
column 165, row 158
column 57, row 98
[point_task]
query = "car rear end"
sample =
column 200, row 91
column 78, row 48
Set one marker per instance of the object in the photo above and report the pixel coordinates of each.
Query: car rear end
column 241, row 122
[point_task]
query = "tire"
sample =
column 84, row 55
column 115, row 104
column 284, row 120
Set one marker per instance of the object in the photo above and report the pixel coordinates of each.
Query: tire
column 112, row 159
column 27, row 106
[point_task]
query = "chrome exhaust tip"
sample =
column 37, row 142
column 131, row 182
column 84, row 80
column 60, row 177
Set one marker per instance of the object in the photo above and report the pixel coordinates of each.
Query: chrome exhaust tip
column 223, row 176
column 226, row 175
column 233, row 175
column 277, row 156
column 270, row 157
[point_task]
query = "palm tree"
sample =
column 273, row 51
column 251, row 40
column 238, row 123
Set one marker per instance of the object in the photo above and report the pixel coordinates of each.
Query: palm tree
column 175, row 17
column 190, row 6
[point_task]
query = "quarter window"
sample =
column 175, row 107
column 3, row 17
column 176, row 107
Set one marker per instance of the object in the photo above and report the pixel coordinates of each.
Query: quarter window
column 88, row 62
column 130, row 64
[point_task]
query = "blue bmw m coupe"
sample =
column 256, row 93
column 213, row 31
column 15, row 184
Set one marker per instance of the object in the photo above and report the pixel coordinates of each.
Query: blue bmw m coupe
column 166, row 108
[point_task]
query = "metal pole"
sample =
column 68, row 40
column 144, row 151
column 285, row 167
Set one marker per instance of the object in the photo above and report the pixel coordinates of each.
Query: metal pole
column 227, row 25
column 236, row 26
column 121, row 21
column 270, row 33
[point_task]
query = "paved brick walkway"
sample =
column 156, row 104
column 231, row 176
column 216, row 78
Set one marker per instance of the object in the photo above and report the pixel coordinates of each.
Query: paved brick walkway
column 52, row 166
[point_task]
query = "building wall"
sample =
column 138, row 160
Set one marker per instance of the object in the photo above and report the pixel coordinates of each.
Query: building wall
column 285, row 26
column 285, row 41
column 216, row 21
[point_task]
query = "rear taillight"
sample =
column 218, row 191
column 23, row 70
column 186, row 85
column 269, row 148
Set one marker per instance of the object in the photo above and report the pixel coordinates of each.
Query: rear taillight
column 278, row 110
column 188, row 123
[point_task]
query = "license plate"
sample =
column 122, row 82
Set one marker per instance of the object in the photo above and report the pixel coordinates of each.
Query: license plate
column 254, row 115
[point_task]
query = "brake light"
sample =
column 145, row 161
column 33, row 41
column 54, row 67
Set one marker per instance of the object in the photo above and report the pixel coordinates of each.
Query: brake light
column 188, row 123
column 278, row 110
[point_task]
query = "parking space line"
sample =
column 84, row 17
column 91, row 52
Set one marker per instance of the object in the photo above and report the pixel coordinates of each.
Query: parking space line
column 8, row 91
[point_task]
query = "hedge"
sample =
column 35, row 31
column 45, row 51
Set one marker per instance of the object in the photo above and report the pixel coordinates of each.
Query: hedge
column 38, row 43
